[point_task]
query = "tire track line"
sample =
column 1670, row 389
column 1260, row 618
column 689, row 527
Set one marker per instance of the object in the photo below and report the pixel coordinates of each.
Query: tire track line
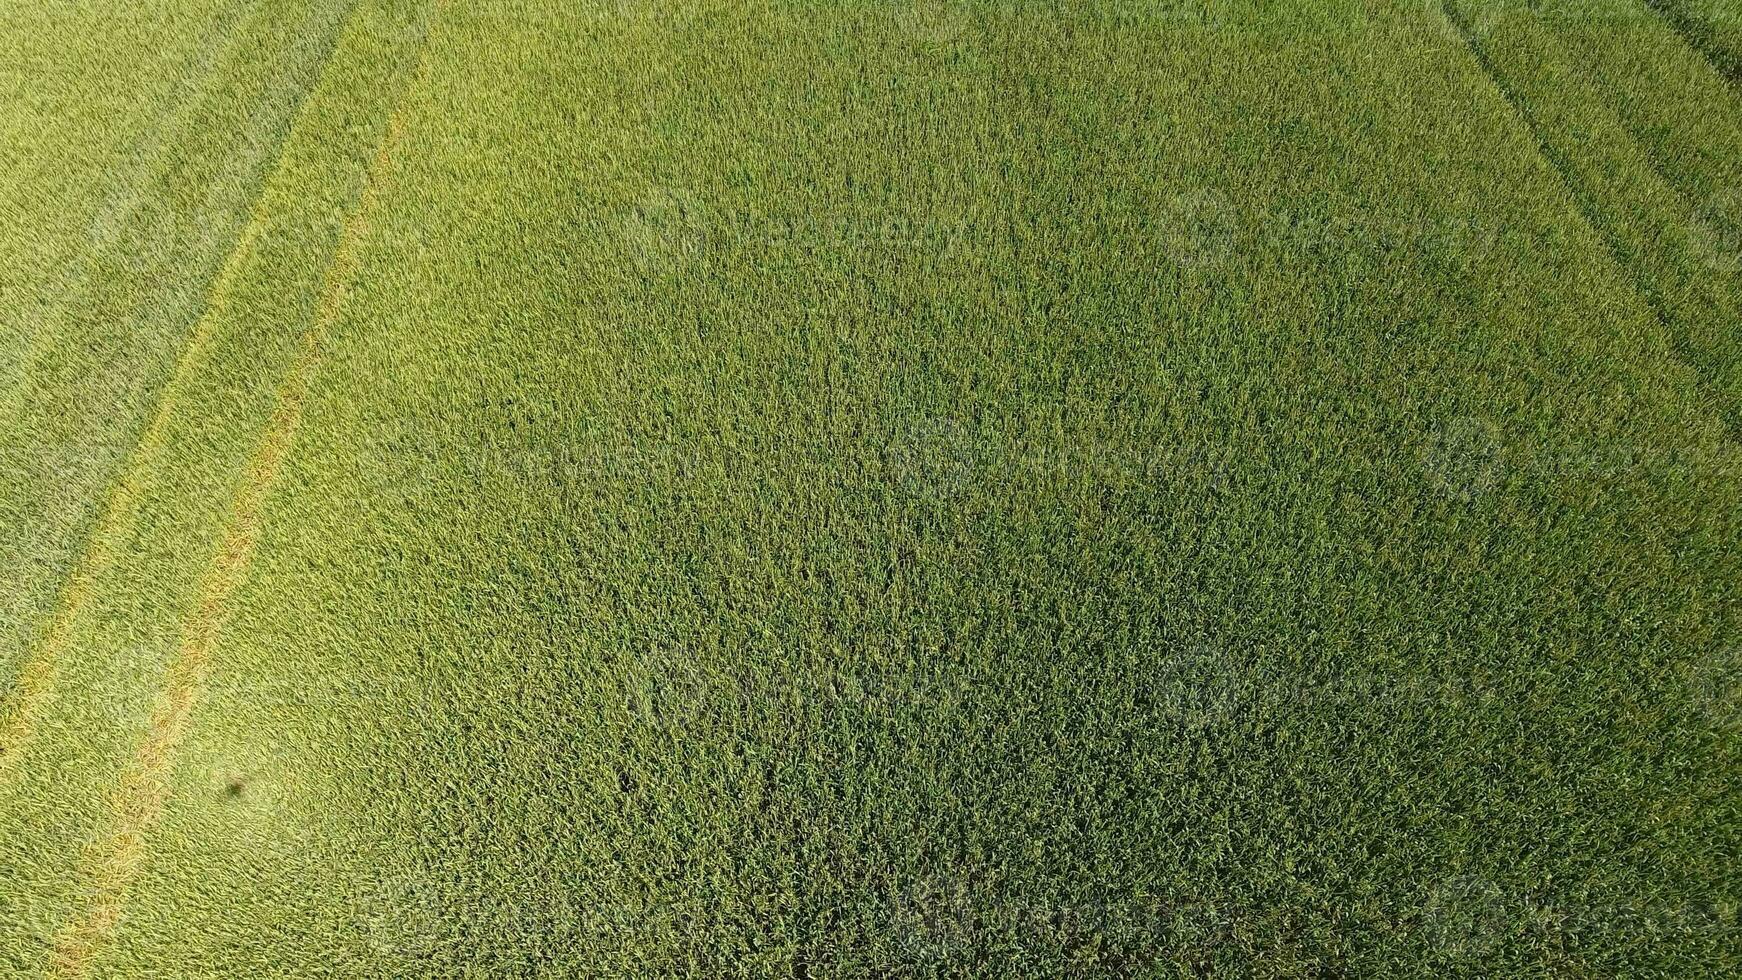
column 1696, row 36
column 35, row 682
column 69, row 278
column 1671, row 326
column 110, row 868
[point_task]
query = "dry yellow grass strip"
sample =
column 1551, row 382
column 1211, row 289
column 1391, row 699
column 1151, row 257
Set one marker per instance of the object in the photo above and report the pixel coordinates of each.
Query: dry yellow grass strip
column 111, row 866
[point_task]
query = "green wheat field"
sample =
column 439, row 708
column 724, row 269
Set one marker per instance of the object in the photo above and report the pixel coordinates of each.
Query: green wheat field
column 870, row 488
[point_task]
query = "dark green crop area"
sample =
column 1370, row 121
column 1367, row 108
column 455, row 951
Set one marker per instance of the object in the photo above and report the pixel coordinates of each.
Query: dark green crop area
column 870, row 488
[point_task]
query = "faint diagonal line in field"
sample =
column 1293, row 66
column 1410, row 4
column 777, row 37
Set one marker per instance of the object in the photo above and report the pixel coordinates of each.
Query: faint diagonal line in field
column 1695, row 36
column 36, row 680
column 182, row 91
column 110, row 867
column 1584, row 62
column 1588, row 211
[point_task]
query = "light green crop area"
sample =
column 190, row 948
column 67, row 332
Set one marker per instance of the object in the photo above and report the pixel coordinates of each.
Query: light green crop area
column 868, row 488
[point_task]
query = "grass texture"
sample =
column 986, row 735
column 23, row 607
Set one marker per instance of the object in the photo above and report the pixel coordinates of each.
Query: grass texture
column 868, row 488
